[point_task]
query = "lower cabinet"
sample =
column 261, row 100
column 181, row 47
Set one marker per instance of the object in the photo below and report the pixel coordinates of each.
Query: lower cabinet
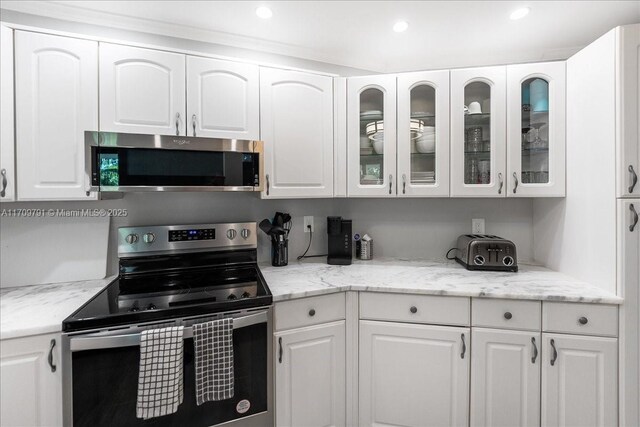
column 505, row 378
column 580, row 381
column 310, row 376
column 413, row 375
column 31, row 393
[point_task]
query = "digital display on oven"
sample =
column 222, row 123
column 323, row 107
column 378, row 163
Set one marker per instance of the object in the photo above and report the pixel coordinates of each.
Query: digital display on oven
column 195, row 234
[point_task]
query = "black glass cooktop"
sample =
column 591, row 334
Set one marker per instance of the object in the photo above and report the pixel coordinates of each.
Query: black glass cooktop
column 166, row 287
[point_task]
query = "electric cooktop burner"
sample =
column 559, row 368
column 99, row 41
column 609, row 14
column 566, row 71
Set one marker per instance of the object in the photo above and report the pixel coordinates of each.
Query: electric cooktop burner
column 164, row 284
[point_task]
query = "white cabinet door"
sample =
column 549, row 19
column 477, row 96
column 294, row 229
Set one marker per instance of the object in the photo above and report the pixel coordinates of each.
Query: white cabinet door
column 141, row 90
column 423, row 134
column 505, row 378
column 580, row 388
column 31, row 392
column 478, row 144
column 628, row 120
column 296, row 111
column 536, row 105
column 310, row 376
column 629, row 289
column 371, row 136
column 7, row 135
column 223, row 99
column 56, row 102
column 413, row 375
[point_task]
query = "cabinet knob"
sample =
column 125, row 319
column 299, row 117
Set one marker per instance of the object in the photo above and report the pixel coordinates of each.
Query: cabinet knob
column 413, row 309
column 312, row 312
column 583, row 320
column 508, row 315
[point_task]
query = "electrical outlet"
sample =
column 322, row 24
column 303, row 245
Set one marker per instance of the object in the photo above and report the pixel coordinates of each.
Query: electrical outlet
column 477, row 226
column 308, row 220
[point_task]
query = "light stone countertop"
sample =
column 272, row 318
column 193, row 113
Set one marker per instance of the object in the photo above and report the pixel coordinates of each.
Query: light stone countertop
column 40, row 309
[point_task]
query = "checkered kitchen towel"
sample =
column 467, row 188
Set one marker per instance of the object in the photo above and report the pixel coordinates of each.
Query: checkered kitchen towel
column 160, row 388
column 213, row 343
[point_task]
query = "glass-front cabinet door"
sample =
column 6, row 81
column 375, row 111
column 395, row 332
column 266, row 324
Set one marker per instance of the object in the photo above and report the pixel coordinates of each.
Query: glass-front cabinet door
column 536, row 130
column 423, row 134
column 371, row 136
column 478, row 124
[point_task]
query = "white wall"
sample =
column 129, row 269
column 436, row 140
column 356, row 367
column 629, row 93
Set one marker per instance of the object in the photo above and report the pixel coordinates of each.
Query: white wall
column 407, row 228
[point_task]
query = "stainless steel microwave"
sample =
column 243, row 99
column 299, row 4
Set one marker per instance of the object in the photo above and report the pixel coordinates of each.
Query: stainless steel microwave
column 125, row 162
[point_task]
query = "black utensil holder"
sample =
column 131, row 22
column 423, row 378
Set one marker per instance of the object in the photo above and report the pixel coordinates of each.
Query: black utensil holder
column 279, row 252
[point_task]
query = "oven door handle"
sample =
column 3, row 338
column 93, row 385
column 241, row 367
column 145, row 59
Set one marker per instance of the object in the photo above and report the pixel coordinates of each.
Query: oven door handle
column 100, row 341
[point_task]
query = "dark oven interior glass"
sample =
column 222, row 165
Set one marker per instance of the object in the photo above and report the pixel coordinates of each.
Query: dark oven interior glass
column 119, row 167
column 105, row 384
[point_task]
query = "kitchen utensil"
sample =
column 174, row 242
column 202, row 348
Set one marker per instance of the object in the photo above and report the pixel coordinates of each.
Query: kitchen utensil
column 426, row 145
column 484, row 171
column 486, row 252
column 378, row 146
column 474, row 108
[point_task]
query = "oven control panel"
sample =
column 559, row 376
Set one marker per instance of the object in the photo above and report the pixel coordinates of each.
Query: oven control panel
column 140, row 241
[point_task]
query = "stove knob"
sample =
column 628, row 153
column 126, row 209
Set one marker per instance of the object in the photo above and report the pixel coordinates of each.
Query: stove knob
column 151, row 306
column 232, row 297
column 245, row 295
column 149, row 238
column 131, row 238
column 245, row 233
column 231, row 234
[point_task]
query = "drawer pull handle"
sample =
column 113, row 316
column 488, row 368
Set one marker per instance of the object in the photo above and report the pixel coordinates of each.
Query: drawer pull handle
column 535, row 350
column 280, row 350
column 413, row 309
column 464, row 347
column 50, row 358
column 555, row 352
column 312, row 312
column 508, row 315
column 583, row 320
column 635, row 217
column 634, row 178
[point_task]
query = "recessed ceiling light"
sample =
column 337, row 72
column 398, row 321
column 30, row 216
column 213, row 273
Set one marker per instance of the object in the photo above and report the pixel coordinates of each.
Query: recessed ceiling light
column 400, row 26
column 520, row 13
column 264, row 12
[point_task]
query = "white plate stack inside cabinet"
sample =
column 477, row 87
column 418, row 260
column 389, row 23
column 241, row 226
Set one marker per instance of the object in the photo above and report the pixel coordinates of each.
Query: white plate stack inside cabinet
column 7, row 135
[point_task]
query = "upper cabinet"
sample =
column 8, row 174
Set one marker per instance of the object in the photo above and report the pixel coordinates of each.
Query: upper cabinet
column 536, row 129
column 296, row 116
column 222, row 99
column 7, row 135
column 478, row 124
column 423, row 134
column 141, row 90
column 371, row 136
column 56, row 90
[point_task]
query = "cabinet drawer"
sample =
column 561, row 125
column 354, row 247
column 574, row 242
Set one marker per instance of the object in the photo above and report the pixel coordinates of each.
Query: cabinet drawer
column 506, row 314
column 576, row 318
column 415, row 308
column 309, row 311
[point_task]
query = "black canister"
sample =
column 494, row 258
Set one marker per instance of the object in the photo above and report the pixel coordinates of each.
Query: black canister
column 279, row 250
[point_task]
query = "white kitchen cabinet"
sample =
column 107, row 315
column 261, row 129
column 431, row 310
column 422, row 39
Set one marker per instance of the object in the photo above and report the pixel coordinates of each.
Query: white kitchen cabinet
column 223, row 99
column 31, row 388
column 310, row 376
column 536, row 117
column 628, row 109
column 7, row 130
column 423, row 134
column 296, row 118
column 579, row 381
column 478, row 129
column 505, row 378
column 56, row 89
column 413, row 375
column 141, row 90
column 371, row 136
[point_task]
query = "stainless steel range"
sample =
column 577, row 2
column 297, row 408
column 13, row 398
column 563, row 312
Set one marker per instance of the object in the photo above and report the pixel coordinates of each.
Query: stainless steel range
column 170, row 276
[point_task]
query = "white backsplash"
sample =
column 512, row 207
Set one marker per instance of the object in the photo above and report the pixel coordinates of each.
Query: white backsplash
column 405, row 228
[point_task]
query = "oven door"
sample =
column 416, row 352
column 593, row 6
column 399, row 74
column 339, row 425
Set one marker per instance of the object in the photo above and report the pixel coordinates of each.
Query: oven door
column 122, row 162
column 100, row 375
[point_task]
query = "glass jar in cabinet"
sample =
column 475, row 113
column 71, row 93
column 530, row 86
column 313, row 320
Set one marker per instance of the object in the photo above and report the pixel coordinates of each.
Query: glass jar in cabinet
column 536, row 130
column 478, row 122
column 423, row 134
column 371, row 136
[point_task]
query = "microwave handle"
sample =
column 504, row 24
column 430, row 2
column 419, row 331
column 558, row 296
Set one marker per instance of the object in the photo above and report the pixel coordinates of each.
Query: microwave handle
column 96, row 342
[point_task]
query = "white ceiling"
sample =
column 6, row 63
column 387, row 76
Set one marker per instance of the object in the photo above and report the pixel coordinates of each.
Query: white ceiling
column 359, row 34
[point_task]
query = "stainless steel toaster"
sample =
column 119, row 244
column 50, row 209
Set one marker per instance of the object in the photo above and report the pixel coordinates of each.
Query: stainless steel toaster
column 486, row 252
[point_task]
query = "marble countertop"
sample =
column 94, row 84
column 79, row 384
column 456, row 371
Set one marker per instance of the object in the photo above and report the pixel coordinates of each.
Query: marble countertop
column 40, row 309
column 308, row 278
